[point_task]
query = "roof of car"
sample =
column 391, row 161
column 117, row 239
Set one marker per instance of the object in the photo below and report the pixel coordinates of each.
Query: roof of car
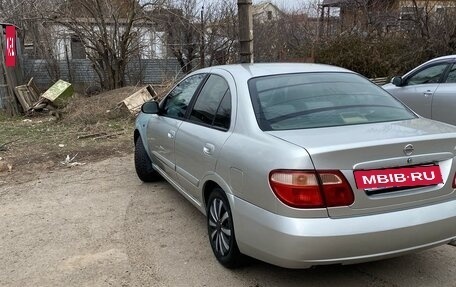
column 431, row 61
column 443, row 58
column 263, row 69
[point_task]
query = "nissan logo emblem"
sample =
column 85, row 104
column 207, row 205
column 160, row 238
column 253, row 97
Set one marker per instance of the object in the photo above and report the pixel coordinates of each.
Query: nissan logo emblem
column 408, row 149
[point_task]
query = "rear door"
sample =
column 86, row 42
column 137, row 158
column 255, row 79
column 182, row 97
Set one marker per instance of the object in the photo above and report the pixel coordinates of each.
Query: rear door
column 162, row 128
column 444, row 101
column 200, row 138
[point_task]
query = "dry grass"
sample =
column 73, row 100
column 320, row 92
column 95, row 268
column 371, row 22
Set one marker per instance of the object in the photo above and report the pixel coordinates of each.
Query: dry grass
column 92, row 110
column 41, row 143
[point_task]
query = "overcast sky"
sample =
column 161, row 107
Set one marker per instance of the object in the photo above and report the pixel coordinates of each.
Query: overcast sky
column 285, row 5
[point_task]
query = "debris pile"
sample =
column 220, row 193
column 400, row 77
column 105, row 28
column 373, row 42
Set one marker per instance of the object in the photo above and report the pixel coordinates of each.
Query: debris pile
column 5, row 166
column 83, row 119
column 69, row 161
column 55, row 97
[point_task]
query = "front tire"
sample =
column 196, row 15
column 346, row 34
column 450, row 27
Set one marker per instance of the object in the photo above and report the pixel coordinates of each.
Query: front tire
column 143, row 164
column 221, row 230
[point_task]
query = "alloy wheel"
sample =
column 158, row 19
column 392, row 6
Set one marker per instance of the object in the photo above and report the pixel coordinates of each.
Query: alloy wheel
column 220, row 229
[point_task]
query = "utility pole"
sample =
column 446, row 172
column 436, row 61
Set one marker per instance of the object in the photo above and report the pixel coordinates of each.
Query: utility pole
column 245, row 30
column 202, row 59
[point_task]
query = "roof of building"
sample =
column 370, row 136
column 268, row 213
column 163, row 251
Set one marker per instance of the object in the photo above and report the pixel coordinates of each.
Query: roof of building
column 261, row 7
column 8, row 24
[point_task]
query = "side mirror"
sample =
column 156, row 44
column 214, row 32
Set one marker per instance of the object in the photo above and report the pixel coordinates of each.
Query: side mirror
column 150, row 107
column 397, row 81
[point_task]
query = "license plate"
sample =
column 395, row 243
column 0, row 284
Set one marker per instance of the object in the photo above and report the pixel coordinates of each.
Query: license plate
column 398, row 177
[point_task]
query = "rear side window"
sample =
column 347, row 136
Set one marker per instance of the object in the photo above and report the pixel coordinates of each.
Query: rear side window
column 213, row 105
column 312, row 100
column 223, row 116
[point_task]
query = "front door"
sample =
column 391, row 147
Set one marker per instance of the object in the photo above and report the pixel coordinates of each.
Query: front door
column 419, row 89
column 162, row 128
column 444, row 102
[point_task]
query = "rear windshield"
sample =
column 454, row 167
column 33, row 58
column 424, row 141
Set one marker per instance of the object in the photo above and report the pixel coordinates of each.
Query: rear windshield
column 312, row 100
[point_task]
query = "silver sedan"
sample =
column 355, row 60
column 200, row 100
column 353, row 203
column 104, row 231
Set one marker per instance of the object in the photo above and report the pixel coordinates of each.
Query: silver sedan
column 301, row 164
column 429, row 89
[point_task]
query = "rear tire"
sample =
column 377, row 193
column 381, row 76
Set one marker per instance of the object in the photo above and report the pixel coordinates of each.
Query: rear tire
column 221, row 230
column 143, row 164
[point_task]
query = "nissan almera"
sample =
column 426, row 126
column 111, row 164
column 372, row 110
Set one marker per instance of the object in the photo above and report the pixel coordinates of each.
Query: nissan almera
column 301, row 164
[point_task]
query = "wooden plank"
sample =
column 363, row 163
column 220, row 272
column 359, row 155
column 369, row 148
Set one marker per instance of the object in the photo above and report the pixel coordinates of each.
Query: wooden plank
column 24, row 97
column 135, row 101
column 86, row 136
column 33, row 89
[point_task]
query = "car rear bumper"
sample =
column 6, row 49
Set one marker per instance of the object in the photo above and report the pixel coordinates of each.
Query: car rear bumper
column 304, row 242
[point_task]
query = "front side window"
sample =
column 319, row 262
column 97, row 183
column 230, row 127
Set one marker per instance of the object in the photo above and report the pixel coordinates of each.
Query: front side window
column 313, row 100
column 428, row 75
column 213, row 104
column 176, row 103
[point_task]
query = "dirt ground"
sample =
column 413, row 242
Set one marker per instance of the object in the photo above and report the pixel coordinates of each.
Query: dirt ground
column 96, row 224
column 88, row 129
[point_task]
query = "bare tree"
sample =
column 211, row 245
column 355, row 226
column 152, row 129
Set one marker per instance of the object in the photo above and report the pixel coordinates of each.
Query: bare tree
column 198, row 36
column 220, row 33
column 109, row 32
column 28, row 17
column 392, row 38
column 182, row 32
column 269, row 40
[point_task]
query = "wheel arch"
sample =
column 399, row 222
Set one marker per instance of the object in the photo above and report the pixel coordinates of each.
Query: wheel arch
column 136, row 135
column 209, row 186
column 213, row 181
column 140, row 134
column 141, row 128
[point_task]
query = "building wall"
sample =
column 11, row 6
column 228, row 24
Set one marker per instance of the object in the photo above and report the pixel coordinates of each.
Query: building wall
column 81, row 74
column 151, row 43
column 266, row 12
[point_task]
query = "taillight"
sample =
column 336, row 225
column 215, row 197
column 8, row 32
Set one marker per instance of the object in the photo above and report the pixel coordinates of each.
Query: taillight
column 297, row 188
column 310, row 189
column 454, row 181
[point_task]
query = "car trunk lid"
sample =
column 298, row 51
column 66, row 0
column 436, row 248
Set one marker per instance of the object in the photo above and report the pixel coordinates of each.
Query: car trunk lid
column 382, row 146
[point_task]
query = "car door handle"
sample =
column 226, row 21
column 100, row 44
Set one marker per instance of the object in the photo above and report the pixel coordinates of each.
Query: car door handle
column 171, row 134
column 428, row 94
column 208, row 148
